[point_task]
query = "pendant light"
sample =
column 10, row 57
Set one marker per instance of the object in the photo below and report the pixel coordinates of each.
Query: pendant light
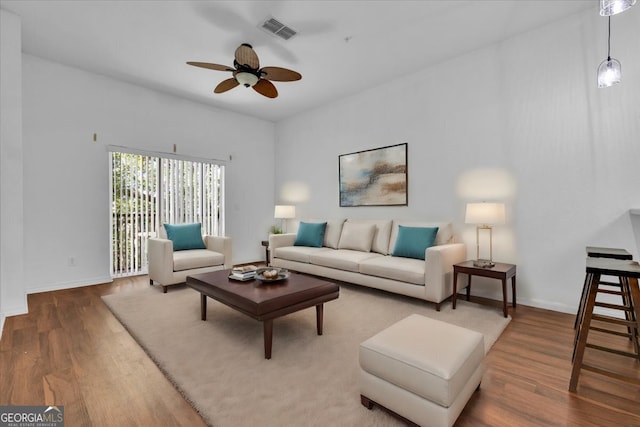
column 612, row 7
column 610, row 70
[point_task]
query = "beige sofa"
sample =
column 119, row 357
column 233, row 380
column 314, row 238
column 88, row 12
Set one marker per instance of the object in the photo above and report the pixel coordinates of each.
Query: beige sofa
column 168, row 267
column 350, row 254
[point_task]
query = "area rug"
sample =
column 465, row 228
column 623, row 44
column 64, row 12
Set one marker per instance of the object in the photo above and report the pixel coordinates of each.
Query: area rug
column 219, row 364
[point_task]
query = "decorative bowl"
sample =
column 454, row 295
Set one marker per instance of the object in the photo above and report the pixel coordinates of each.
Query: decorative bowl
column 281, row 274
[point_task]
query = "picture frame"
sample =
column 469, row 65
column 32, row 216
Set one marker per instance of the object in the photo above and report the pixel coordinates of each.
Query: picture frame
column 375, row 177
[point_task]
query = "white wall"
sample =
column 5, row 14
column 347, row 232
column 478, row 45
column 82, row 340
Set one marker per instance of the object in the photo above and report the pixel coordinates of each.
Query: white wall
column 520, row 121
column 66, row 209
column 13, row 298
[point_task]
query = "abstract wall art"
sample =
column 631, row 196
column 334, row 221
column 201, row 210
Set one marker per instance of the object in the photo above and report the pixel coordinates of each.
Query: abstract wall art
column 376, row 177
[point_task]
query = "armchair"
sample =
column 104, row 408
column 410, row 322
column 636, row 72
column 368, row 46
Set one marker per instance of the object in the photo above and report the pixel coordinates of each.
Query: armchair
column 168, row 267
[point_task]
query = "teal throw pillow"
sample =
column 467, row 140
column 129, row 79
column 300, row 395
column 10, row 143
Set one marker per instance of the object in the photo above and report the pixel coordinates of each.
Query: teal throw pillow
column 412, row 242
column 185, row 236
column 310, row 234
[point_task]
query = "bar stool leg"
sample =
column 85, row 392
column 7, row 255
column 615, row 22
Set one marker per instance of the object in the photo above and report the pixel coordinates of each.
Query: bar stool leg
column 634, row 301
column 583, row 300
column 627, row 302
column 583, row 331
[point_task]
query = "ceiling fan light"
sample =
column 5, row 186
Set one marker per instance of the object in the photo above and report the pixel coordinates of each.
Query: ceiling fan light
column 609, row 73
column 246, row 79
column 613, row 7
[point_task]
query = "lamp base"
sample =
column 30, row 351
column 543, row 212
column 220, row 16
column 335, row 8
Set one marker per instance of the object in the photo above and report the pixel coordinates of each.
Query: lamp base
column 483, row 263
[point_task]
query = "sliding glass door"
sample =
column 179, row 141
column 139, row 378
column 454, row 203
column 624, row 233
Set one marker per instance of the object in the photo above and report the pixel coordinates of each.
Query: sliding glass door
column 148, row 191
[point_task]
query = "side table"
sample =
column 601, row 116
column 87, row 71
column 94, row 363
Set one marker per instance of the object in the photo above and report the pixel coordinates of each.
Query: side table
column 265, row 243
column 501, row 271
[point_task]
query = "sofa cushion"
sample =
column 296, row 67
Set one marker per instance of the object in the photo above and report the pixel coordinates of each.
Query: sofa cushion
column 444, row 236
column 297, row 253
column 196, row 258
column 381, row 236
column 185, row 236
column 332, row 233
column 341, row 259
column 310, row 234
column 412, row 242
column 357, row 236
column 395, row 268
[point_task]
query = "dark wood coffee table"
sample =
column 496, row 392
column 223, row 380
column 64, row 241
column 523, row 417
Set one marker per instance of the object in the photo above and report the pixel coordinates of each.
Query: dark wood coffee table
column 265, row 301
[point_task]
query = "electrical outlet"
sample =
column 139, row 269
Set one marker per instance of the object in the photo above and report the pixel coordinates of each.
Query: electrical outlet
column 72, row 261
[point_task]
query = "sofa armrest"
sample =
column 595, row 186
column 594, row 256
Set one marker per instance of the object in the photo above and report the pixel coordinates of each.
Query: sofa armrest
column 281, row 240
column 439, row 262
column 160, row 259
column 223, row 245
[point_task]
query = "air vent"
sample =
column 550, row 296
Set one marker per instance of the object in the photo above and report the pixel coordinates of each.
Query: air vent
column 272, row 26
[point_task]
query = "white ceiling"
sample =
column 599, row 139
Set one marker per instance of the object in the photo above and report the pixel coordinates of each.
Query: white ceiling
column 342, row 47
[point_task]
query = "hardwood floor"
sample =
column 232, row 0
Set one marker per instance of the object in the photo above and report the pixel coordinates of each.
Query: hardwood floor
column 70, row 350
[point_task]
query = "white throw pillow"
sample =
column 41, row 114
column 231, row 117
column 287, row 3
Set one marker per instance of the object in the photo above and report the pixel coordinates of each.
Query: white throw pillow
column 332, row 233
column 381, row 234
column 357, row 236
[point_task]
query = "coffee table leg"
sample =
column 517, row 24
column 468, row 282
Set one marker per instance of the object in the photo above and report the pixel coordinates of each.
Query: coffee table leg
column 319, row 317
column 268, row 337
column 203, row 307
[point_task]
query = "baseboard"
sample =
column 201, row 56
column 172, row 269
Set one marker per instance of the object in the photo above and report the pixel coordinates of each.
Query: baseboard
column 537, row 303
column 69, row 285
column 548, row 305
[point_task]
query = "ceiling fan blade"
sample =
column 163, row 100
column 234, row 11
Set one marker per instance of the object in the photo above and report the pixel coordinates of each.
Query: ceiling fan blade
column 225, row 85
column 245, row 55
column 278, row 74
column 266, row 88
column 217, row 67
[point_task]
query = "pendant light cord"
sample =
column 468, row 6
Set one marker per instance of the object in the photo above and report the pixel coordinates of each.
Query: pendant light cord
column 609, row 41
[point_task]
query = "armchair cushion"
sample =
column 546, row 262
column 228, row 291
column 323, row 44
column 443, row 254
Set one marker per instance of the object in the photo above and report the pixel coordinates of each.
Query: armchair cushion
column 196, row 258
column 185, row 236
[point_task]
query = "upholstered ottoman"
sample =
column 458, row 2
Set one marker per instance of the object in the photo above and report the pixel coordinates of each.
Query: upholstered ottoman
column 423, row 370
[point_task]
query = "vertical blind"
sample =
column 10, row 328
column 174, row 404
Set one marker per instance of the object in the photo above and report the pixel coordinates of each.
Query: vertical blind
column 148, row 191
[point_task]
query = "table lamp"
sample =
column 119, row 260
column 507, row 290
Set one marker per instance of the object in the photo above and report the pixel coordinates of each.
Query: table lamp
column 484, row 215
column 283, row 212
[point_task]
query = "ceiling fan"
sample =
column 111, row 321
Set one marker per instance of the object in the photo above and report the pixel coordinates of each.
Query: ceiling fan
column 247, row 72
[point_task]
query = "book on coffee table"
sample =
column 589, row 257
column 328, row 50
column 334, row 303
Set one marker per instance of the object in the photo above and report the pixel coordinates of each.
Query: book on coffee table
column 244, row 272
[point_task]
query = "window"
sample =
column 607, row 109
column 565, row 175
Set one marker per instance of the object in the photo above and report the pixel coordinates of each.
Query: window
column 148, row 191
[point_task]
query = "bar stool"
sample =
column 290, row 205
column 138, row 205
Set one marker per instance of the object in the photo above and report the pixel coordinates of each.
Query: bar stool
column 598, row 252
column 628, row 273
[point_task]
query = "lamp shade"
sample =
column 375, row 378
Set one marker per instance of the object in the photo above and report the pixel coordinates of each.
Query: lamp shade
column 284, row 212
column 612, row 7
column 609, row 73
column 485, row 213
